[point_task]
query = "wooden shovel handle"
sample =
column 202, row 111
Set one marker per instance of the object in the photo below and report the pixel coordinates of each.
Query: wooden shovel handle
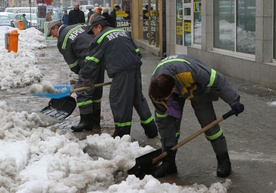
column 88, row 87
column 209, row 126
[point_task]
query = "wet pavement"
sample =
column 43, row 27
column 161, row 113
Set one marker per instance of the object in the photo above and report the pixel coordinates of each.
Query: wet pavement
column 251, row 136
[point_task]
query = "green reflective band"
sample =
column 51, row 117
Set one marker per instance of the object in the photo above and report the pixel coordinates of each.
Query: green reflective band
column 85, row 103
column 171, row 60
column 137, row 50
column 123, row 124
column 92, row 58
column 177, row 134
column 97, row 101
column 73, row 64
column 161, row 115
column 68, row 34
column 212, row 78
column 108, row 32
column 147, row 121
column 215, row 136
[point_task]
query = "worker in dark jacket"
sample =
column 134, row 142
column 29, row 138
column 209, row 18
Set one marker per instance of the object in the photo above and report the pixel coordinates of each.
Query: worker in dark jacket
column 73, row 42
column 108, row 17
column 76, row 15
column 115, row 49
column 114, row 16
column 181, row 77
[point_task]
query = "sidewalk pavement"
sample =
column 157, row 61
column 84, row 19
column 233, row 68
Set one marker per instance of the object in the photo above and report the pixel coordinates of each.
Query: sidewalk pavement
column 251, row 136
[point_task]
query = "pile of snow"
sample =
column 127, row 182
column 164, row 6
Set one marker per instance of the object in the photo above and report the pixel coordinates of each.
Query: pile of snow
column 42, row 159
column 19, row 68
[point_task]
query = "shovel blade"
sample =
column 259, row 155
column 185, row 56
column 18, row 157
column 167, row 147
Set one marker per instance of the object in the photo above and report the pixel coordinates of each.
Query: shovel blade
column 60, row 108
column 144, row 164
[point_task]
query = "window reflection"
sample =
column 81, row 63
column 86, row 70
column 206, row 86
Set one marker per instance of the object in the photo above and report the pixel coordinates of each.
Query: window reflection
column 197, row 22
column 149, row 21
column 179, row 22
column 235, row 32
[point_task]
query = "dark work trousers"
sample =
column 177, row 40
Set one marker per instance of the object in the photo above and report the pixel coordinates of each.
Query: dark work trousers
column 89, row 101
column 126, row 93
column 204, row 111
column 205, row 114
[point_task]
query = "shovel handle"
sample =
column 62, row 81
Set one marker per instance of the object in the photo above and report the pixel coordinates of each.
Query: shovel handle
column 89, row 87
column 209, row 126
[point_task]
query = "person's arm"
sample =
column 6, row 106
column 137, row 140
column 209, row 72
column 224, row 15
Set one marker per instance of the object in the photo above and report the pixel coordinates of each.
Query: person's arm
column 163, row 118
column 69, row 57
column 92, row 63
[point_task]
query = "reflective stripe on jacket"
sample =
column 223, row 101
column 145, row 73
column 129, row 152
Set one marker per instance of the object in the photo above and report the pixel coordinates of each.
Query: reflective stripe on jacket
column 115, row 49
column 73, row 42
column 193, row 78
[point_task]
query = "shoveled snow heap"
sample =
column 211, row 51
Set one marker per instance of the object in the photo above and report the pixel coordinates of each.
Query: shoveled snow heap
column 45, row 159
column 45, row 87
column 19, row 68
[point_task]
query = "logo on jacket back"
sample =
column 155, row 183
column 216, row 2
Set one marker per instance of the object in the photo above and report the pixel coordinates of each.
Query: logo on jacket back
column 116, row 34
column 75, row 33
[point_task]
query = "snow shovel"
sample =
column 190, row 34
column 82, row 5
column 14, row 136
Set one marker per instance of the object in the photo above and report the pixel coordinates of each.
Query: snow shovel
column 65, row 90
column 145, row 163
column 60, row 108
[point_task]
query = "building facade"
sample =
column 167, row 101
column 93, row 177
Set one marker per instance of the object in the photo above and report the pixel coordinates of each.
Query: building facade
column 235, row 37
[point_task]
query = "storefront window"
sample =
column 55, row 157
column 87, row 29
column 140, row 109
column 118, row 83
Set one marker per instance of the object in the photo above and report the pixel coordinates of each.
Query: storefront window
column 123, row 16
column 149, row 21
column 197, row 22
column 234, row 25
column 179, row 22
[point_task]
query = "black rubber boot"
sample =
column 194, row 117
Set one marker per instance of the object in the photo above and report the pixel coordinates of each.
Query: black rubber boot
column 224, row 165
column 86, row 123
column 121, row 131
column 150, row 129
column 167, row 166
column 96, row 118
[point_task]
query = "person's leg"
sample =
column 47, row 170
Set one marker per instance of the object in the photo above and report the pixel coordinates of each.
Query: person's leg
column 85, row 104
column 170, row 134
column 121, row 97
column 205, row 114
column 97, row 97
column 142, row 108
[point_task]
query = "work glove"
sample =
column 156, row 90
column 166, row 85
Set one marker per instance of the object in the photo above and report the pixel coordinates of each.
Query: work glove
column 238, row 108
column 87, row 82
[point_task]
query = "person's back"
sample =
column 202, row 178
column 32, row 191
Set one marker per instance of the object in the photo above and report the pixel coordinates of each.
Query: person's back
column 114, row 16
column 98, row 12
column 25, row 21
column 76, row 15
column 65, row 18
column 108, row 17
column 120, row 51
column 75, row 46
column 89, row 15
